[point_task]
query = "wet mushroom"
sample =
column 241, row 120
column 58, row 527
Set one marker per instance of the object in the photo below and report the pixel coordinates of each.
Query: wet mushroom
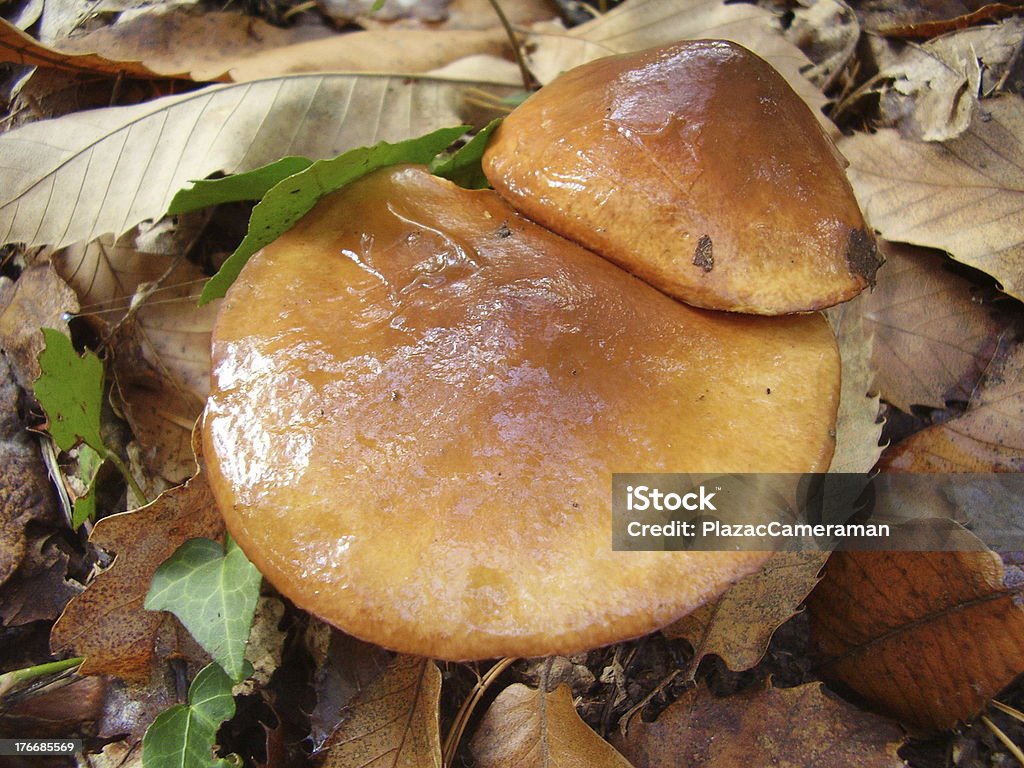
column 419, row 398
column 696, row 167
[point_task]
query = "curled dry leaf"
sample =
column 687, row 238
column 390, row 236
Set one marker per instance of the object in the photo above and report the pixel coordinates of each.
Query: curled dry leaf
column 740, row 624
column 91, row 173
column 827, row 31
column 932, row 335
column 963, row 196
column 647, row 23
column 393, row 721
column 38, row 299
column 913, row 18
column 527, row 728
column 927, row 637
column 782, row 727
column 107, row 623
column 989, row 437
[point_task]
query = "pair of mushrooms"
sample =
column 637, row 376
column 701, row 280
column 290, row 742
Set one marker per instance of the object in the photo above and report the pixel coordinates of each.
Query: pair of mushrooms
column 420, row 392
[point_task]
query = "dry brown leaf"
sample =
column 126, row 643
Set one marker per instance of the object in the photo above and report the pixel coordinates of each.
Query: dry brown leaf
column 828, row 31
column 927, row 18
column 965, row 196
column 55, row 710
column 525, row 728
column 927, row 637
column 740, row 624
column 932, row 335
column 84, row 175
column 107, row 623
column 995, row 46
column 38, row 299
column 16, row 47
column 780, row 727
column 38, row 590
column 858, row 428
column 393, row 721
column 178, row 40
column 989, row 437
column 638, row 24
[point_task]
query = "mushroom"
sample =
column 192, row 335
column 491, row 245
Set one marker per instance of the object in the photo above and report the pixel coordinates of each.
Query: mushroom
column 696, row 167
column 419, row 398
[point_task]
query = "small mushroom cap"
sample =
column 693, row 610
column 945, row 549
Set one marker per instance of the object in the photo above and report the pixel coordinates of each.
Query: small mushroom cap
column 696, row 167
column 419, row 399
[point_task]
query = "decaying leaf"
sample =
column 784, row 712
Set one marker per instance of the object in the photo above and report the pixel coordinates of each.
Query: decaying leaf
column 526, row 728
column 932, row 17
column 647, row 23
column 38, row 590
column 107, row 623
column 963, row 196
column 932, row 335
column 57, row 709
column 740, row 624
column 782, row 727
column 989, row 437
column 38, row 299
column 828, row 31
column 393, row 721
column 84, row 175
column 927, row 637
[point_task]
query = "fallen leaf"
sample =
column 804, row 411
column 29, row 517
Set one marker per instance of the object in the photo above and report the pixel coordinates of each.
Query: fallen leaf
column 107, row 623
column 393, row 721
column 927, row 637
column 38, row 590
column 929, row 18
column 17, row 47
column 70, row 389
column 932, row 335
column 265, row 646
column 740, row 624
column 92, row 173
column 995, row 46
column 55, row 710
column 642, row 24
column 964, row 196
column 989, row 437
column 525, row 727
column 828, row 31
column 38, row 299
column 782, row 727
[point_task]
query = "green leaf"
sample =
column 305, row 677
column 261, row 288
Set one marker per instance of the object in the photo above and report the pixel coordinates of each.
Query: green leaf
column 289, row 200
column 251, row 185
column 70, row 389
column 184, row 735
column 464, row 167
column 89, row 463
column 213, row 593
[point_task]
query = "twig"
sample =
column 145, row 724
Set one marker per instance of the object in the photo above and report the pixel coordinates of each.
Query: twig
column 524, row 71
column 1007, row 742
column 451, row 742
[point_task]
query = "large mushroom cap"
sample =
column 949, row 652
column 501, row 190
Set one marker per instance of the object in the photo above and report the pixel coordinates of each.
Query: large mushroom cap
column 419, row 399
column 696, row 167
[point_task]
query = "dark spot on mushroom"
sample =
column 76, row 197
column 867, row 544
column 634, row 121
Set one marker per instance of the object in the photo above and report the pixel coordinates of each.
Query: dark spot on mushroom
column 395, row 395
column 862, row 256
column 504, row 231
column 702, row 256
column 768, row 390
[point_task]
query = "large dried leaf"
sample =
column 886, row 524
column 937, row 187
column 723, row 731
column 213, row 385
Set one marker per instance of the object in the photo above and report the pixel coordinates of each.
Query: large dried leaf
column 526, row 728
column 781, row 727
column 84, row 175
column 964, row 196
column 107, row 623
column 989, row 437
column 393, row 722
column 925, row 636
column 740, row 624
column 932, row 335
column 638, row 24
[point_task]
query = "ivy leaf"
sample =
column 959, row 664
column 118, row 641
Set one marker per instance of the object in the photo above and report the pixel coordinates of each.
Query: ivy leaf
column 289, row 200
column 70, row 389
column 213, row 593
column 251, row 185
column 184, row 735
column 463, row 167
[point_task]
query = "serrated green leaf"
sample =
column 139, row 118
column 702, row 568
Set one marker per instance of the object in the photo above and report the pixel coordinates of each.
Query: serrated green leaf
column 89, row 463
column 251, row 185
column 463, row 167
column 184, row 735
column 213, row 593
column 70, row 389
column 288, row 201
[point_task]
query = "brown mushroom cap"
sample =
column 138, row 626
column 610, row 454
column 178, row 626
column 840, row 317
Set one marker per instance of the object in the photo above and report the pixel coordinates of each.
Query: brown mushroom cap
column 696, row 167
column 419, row 398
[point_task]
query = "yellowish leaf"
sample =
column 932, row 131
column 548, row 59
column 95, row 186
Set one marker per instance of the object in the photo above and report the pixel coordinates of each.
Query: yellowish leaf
column 525, row 728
